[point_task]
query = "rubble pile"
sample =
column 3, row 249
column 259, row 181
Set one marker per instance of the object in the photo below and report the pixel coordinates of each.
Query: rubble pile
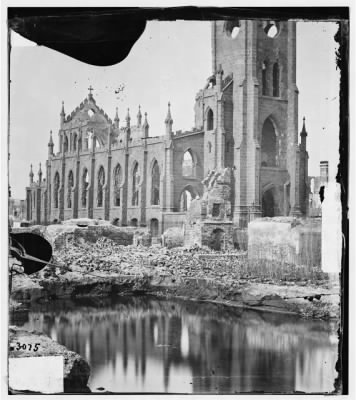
column 106, row 268
column 107, row 257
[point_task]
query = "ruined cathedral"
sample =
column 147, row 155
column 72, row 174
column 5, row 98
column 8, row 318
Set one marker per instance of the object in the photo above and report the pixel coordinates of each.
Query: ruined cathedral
column 242, row 160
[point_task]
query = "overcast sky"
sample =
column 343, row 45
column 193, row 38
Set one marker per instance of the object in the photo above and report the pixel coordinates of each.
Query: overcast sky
column 170, row 62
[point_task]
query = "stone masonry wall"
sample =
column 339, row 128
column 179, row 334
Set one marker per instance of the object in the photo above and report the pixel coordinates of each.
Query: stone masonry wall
column 294, row 241
column 209, row 237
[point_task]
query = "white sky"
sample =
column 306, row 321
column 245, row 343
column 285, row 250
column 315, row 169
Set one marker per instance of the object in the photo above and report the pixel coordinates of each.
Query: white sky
column 170, row 62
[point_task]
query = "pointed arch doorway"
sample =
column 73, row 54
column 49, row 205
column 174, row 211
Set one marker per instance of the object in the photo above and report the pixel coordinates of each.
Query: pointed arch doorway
column 268, row 203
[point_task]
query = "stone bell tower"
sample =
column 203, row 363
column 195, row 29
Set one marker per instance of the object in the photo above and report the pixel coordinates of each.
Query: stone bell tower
column 256, row 105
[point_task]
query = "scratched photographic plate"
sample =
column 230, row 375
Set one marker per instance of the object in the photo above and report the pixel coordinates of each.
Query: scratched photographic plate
column 180, row 128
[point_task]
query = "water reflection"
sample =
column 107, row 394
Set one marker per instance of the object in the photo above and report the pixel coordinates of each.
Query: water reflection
column 142, row 344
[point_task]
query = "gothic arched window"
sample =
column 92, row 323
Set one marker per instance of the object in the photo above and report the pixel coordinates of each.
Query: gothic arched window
column 135, row 183
column 264, row 79
column 85, row 184
column 228, row 145
column 210, row 120
column 56, row 190
column 117, row 183
column 70, row 185
column 154, row 225
column 75, row 138
column 87, row 141
column 100, row 188
column 155, row 184
column 268, row 145
column 188, row 164
column 80, row 144
column 275, row 80
column 65, row 144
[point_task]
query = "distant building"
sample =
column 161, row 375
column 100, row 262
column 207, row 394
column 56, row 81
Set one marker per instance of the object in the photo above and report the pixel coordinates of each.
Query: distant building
column 245, row 140
column 317, row 185
column 17, row 210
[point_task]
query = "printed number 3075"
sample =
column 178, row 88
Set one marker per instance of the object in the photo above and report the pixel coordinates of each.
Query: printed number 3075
column 29, row 346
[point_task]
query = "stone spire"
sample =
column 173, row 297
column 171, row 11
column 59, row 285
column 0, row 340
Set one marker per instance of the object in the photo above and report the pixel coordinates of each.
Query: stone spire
column 40, row 174
column 50, row 144
column 127, row 130
column 219, row 76
column 145, row 126
column 31, row 175
column 169, row 121
column 62, row 111
column 128, row 118
column 303, row 129
column 62, row 114
column 90, row 95
column 117, row 119
column 139, row 116
column 303, row 137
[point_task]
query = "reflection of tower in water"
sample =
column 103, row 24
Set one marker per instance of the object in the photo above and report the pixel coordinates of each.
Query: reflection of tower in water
column 210, row 356
column 124, row 346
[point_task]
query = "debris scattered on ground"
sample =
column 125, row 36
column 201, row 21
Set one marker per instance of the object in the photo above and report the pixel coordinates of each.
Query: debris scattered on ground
column 105, row 267
column 106, row 257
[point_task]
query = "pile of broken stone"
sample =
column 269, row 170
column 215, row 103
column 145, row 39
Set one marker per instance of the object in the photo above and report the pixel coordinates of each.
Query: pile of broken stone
column 105, row 257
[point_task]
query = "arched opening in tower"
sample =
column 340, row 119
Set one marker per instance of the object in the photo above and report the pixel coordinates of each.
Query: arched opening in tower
column 185, row 200
column 272, row 29
column 188, row 164
column 276, row 80
column 232, row 28
column 210, row 120
column 264, row 78
column 268, row 145
column 268, row 204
